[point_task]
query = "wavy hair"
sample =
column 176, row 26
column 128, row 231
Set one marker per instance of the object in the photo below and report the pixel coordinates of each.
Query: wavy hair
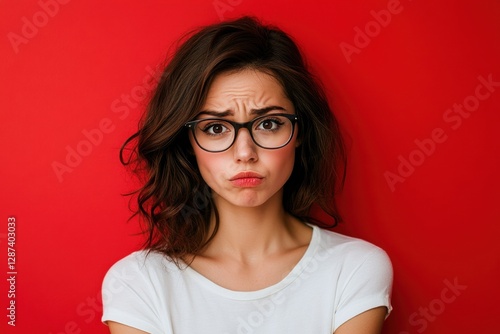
column 174, row 200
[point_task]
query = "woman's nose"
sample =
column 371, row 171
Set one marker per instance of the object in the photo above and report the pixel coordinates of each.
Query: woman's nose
column 244, row 147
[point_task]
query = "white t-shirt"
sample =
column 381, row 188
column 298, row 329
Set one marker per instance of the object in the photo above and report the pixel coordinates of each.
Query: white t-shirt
column 337, row 278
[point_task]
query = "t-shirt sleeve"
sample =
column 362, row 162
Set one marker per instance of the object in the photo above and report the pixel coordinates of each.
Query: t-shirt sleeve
column 367, row 286
column 128, row 298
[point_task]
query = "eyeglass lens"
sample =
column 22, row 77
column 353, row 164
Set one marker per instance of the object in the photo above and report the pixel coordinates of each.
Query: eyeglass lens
column 270, row 131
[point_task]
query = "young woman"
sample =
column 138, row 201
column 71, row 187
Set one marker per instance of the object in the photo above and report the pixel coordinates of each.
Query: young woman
column 236, row 146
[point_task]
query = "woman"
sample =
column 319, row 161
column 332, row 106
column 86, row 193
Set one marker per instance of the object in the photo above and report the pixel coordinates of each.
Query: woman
column 236, row 146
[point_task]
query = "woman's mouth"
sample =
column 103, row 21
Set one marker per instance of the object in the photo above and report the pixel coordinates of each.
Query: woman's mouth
column 246, row 179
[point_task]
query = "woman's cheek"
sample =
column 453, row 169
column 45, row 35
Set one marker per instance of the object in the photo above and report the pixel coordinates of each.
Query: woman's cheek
column 282, row 161
column 211, row 166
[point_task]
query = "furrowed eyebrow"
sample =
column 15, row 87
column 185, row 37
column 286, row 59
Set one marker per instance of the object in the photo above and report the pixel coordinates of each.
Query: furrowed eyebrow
column 258, row 112
column 265, row 110
column 215, row 113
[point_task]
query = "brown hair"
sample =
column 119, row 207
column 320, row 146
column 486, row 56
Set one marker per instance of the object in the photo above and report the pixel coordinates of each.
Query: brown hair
column 174, row 199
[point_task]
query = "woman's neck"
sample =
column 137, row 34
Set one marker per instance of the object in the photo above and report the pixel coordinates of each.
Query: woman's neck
column 250, row 234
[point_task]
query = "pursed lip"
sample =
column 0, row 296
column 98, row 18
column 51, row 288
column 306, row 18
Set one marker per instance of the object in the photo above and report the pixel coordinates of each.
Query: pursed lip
column 246, row 175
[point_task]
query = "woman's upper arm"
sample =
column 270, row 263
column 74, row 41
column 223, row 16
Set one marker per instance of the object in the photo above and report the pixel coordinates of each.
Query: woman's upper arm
column 118, row 328
column 368, row 322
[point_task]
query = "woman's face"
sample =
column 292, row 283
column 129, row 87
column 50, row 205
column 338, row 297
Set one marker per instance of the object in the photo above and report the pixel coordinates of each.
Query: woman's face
column 245, row 175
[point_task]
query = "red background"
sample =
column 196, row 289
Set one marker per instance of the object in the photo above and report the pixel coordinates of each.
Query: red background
column 76, row 68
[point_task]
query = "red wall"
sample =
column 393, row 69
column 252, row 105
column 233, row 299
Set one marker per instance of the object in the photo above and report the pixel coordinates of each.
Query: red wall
column 408, row 81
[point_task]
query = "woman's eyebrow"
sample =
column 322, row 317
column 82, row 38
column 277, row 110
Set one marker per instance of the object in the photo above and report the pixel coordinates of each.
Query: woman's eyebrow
column 258, row 112
column 216, row 113
column 265, row 110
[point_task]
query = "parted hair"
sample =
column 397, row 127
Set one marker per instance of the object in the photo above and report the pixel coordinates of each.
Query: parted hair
column 174, row 201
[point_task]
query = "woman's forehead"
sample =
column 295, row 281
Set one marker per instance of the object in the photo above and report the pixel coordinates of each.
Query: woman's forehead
column 245, row 89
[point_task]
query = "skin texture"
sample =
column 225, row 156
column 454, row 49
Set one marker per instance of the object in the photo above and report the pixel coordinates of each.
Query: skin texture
column 257, row 243
column 238, row 94
column 117, row 328
column 255, row 235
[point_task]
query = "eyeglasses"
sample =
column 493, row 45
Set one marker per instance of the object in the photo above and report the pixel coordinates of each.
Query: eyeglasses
column 269, row 131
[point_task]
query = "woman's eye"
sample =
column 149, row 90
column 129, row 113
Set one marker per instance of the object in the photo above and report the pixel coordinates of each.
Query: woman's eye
column 269, row 124
column 215, row 129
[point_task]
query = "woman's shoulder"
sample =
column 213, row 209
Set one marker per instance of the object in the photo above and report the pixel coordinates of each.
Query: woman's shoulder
column 141, row 265
column 135, row 290
column 139, row 259
column 357, row 264
column 349, row 249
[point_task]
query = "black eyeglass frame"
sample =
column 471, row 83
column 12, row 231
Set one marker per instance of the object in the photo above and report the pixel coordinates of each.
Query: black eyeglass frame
column 247, row 125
